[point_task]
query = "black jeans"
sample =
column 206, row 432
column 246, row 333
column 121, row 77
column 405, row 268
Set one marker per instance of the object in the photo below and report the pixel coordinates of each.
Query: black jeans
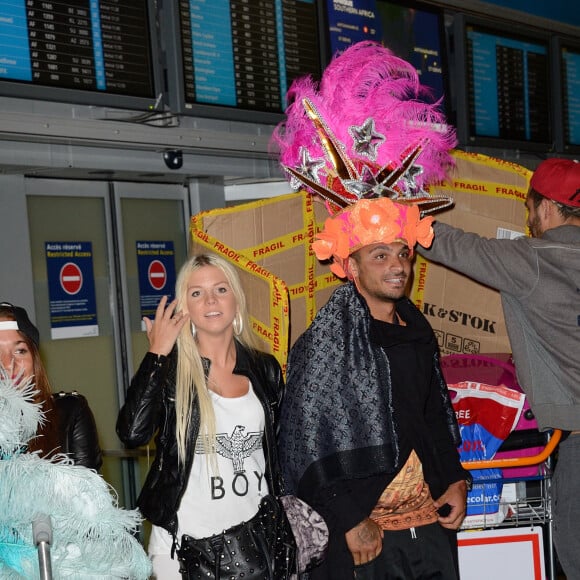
column 422, row 553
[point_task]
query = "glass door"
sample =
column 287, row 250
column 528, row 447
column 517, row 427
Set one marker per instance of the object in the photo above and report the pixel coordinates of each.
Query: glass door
column 108, row 218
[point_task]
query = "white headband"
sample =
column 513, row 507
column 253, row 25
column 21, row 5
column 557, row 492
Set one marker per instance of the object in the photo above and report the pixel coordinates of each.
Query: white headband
column 8, row 325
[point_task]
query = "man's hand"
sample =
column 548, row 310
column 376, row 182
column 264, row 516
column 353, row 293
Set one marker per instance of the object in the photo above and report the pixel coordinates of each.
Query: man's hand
column 456, row 497
column 365, row 541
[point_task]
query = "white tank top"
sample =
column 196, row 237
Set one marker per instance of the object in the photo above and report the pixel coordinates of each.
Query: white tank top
column 215, row 501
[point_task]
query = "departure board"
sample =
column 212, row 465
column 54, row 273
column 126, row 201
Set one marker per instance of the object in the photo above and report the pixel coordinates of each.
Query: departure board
column 508, row 86
column 93, row 46
column 244, row 54
column 570, row 67
column 413, row 31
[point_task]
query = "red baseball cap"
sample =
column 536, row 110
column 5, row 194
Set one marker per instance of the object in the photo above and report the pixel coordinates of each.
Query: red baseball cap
column 559, row 180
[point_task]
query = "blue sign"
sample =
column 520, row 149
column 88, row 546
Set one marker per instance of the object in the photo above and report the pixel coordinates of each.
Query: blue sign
column 71, row 289
column 156, row 266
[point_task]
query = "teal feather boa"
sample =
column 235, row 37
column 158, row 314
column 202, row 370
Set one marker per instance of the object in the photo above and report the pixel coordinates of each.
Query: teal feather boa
column 92, row 536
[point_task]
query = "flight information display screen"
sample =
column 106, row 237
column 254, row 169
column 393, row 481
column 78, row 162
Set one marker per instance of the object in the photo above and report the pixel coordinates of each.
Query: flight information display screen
column 508, row 86
column 570, row 67
column 244, row 54
column 95, row 46
column 413, row 31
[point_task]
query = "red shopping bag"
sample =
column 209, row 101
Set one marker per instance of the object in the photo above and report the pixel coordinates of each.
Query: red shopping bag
column 498, row 369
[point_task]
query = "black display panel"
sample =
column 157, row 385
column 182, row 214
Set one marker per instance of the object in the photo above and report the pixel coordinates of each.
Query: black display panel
column 504, row 86
column 569, row 56
column 236, row 59
column 99, row 52
column 413, row 31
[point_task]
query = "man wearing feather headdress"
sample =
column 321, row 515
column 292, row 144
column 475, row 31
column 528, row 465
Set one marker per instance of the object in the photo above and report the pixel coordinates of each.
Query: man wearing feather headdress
column 368, row 435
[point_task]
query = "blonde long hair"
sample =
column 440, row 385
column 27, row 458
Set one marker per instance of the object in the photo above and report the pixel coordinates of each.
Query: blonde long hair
column 191, row 382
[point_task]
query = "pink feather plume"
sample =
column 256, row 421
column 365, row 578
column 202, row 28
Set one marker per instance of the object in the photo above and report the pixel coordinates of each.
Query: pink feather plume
column 368, row 81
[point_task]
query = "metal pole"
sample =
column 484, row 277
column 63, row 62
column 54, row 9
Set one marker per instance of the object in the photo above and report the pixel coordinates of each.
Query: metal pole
column 42, row 537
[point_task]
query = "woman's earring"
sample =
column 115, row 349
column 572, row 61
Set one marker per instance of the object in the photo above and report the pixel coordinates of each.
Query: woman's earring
column 193, row 330
column 238, row 324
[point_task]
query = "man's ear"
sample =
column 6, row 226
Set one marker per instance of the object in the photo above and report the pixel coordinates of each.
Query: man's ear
column 352, row 266
column 546, row 208
column 550, row 214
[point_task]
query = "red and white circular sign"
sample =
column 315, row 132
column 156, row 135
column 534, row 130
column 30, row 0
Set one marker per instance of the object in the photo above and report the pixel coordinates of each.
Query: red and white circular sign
column 71, row 278
column 157, row 275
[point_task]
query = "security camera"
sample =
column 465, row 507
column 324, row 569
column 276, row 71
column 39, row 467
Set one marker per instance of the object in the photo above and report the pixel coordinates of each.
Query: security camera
column 173, row 159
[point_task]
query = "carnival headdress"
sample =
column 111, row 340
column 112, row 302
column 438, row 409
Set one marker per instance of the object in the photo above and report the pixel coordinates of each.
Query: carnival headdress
column 369, row 134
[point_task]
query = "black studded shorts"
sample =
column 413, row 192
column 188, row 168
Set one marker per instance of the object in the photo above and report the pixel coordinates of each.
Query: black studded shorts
column 262, row 548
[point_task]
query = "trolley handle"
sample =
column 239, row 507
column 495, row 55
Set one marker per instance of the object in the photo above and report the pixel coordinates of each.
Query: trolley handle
column 518, row 461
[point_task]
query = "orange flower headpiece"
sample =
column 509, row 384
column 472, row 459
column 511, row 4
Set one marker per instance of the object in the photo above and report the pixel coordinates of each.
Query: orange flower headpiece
column 369, row 143
column 370, row 221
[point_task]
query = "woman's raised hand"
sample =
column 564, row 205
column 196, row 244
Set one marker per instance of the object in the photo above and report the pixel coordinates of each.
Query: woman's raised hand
column 163, row 331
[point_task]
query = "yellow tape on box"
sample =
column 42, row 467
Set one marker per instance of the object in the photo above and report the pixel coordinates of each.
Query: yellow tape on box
column 269, row 241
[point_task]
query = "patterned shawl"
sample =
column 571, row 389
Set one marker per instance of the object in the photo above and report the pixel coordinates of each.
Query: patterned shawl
column 337, row 417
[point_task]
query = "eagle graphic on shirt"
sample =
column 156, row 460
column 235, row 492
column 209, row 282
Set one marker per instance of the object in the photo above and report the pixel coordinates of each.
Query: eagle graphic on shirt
column 236, row 446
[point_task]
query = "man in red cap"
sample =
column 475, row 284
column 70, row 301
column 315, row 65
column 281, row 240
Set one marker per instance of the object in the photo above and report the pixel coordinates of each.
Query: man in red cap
column 539, row 282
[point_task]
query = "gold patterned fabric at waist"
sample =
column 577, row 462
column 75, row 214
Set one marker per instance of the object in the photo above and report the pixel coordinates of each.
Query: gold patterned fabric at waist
column 406, row 502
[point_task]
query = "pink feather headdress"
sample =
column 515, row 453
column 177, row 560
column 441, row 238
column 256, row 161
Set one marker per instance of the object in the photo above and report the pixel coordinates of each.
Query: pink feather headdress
column 366, row 132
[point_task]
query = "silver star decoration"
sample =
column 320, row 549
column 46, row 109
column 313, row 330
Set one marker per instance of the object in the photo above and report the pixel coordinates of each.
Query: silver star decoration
column 366, row 186
column 366, row 139
column 308, row 167
column 408, row 185
column 384, row 182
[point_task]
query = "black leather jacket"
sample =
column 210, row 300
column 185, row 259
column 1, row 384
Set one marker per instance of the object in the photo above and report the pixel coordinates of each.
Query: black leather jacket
column 150, row 408
column 77, row 430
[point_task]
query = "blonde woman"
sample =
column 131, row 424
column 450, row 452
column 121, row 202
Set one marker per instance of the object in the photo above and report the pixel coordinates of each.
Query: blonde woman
column 212, row 398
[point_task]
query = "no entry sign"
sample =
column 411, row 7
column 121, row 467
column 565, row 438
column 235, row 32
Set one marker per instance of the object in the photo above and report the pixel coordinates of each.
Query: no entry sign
column 157, row 275
column 71, row 278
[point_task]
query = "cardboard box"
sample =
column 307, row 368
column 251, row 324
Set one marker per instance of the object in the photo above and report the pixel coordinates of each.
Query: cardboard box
column 269, row 241
column 489, row 200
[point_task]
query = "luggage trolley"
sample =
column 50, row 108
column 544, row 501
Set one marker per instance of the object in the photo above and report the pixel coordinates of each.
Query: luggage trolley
column 525, row 506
